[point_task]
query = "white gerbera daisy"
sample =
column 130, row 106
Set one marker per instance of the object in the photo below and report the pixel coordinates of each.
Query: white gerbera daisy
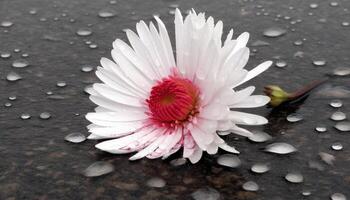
column 155, row 106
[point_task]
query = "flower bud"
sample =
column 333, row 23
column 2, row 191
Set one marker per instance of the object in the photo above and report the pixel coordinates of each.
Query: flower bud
column 277, row 95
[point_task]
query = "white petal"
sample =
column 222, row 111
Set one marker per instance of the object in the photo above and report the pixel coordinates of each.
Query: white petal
column 246, row 118
column 109, row 118
column 228, row 148
column 241, row 131
column 120, row 129
column 196, row 156
column 201, row 137
column 212, row 148
column 149, row 149
column 256, row 71
column 230, row 97
column 252, row 102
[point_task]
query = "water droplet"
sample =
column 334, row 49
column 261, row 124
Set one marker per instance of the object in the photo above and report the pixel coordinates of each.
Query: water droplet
column 337, row 146
column 206, row 193
column 342, row 126
column 260, row 168
column 334, row 4
column 113, row 2
column 98, row 169
column 259, row 136
column 61, row 84
column 280, row 148
column 156, row 182
column 25, row 55
column 25, row 116
column 338, row 196
column 13, row 76
column 338, row 116
column 259, row 43
column 12, row 98
column 45, row 115
column 345, row 24
column 250, row 186
column 327, row 158
column 75, row 137
column 294, row 177
column 306, row 193
column 106, row 13
column 16, row 50
column 314, row 5
column 5, row 55
column 84, row 32
column 6, row 24
column 294, row 117
column 178, row 162
column 319, row 63
column 298, row 42
column 281, row 63
column 8, row 104
column 93, row 46
column 20, row 63
column 33, row 11
column 336, row 103
column 341, row 71
column 274, row 32
column 229, row 160
column 86, row 68
column 321, row 128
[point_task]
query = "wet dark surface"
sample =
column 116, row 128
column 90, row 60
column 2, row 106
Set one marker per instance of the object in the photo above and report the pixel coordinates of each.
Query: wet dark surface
column 36, row 162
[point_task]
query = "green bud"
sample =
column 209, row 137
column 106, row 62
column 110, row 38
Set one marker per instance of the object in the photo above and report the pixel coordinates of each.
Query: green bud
column 277, row 95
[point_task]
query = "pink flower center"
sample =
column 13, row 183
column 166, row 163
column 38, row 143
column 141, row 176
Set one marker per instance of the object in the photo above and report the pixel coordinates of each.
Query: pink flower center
column 173, row 101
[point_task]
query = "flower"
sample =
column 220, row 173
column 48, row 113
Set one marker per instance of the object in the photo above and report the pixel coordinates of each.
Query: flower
column 155, row 106
column 277, row 95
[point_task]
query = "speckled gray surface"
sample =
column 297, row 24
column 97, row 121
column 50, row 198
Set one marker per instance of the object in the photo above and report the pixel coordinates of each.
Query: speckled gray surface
column 36, row 162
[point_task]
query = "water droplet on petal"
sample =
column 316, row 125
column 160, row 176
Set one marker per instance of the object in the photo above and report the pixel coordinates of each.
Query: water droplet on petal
column 106, row 13
column 337, row 146
column 206, row 193
column 20, row 63
column 25, row 116
column 156, row 182
column 259, row 136
column 342, row 126
column 75, row 137
column 319, row 62
column 98, row 169
column 294, row 177
column 229, row 160
column 84, row 32
column 45, row 115
column 294, row 117
column 338, row 116
column 13, row 76
column 6, row 23
column 336, row 103
column 274, row 32
column 260, row 168
column 250, row 186
column 280, row 148
column 338, row 196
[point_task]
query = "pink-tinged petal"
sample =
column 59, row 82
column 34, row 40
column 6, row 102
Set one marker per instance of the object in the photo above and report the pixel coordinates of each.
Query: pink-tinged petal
column 196, row 156
column 116, row 96
column 201, row 137
column 214, row 111
column 210, row 126
column 228, row 148
column 256, row 71
column 176, row 148
column 149, row 149
column 189, row 145
column 224, row 125
column 120, row 129
column 171, row 140
column 241, row 131
column 212, row 148
column 252, row 102
column 246, row 118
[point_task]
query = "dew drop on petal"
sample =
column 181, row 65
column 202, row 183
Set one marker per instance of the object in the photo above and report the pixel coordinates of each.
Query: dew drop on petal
column 178, row 162
column 25, row 116
column 280, row 148
column 156, row 182
column 259, row 136
column 84, row 32
column 343, row 126
column 13, row 76
column 260, row 168
column 6, row 23
column 338, row 196
column 336, row 103
column 337, row 146
column 321, row 128
column 274, row 32
column 45, row 115
column 75, row 137
column 206, row 193
column 294, row 117
column 98, row 169
column 327, row 158
column 294, row 177
column 250, row 186
column 341, row 71
column 106, row 13
column 20, row 63
column 319, row 62
column 338, row 116
column 229, row 160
